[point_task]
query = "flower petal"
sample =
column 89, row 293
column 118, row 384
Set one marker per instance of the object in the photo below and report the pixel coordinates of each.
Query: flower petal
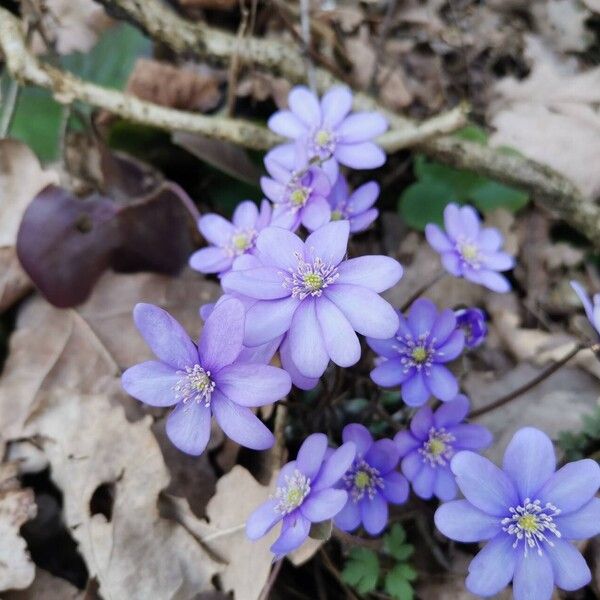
column 533, row 577
column 387, row 348
column 363, row 197
column 423, row 482
column 311, row 454
column 422, row 316
column 493, row 568
column 188, row 427
column 364, row 155
column 361, row 127
column 262, row 283
column 324, row 504
column 293, row 534
column 444, row 486
column 240, row 423
column 569, row 567
column 452, row 264
column 470, row 437
column 414, row 390
column 572, row 486
column 165, row 336
column 210, row 260
column 452, row 413
column 490, row 239
column 581, row 524
column 152, row 383
column 361, row 222
column 262, row 519
column 390, row 373
column 437, row 239
column 245, row 215
column 251, row 384
column 305, row 105
column 395, row 488
column 529, row 461
column 459, row 520
column 585, row 299
column 498, row 261
column 489, row 279
column 287, row 124
column 422, row 422
column 360, row 436
column 470, row 222
column 335, row 105
column 329, row 243
column 483, row 483
column 277, row 247
column 378, row 273
column 374, row 513
column 367, row 312
column 335, row 466
column 383, row 455
column 307, row 345
column 269, row 319
column 406, row 442
column 215, row 229
column 316, row 213
column 341, row 342
column 443, row 326
column 299, row 380
column 348, row 519
column 441, row 383
column 412, row 464
column 453, row 221
column 221, row 339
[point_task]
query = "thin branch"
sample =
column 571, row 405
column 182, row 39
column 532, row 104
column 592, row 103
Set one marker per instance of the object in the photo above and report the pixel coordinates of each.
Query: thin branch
column 529, row 385
column 336, row 574
column 25, row 68
column 548, row 188
column 10, row 104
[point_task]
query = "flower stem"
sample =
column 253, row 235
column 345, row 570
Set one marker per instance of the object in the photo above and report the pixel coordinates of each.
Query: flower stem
column 431, row 282
column 530, row 384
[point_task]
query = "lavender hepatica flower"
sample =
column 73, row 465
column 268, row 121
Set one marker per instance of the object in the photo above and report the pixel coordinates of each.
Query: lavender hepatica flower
column 305, row 494
column 357, row 206
column 372, row 482
column 472, row 322
column 329, row 132
column 298, row 191
column 414, row 357
column 432, row 440
column 591, row 307
column 204, row 380
column 527, row 514
column 229, row 239
column 309, row 291
column 469, row 250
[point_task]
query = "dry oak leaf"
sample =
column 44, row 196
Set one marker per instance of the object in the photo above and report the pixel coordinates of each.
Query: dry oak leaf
column 16, row 507
column 21, row 178
column 552, row 116
column 247, row 563
column 134, row 553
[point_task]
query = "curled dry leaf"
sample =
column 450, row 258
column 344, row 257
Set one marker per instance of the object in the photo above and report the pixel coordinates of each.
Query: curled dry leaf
column 21, row 178
column 16, row 507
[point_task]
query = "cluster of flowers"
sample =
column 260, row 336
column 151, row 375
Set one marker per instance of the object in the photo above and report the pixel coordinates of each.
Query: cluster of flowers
column 306, row 300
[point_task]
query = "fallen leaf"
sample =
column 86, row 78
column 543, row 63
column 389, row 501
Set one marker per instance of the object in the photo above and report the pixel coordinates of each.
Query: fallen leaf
column 562, row 23
column 17, row 506
column 552, row 116
column 21, row 178
column 48, row 587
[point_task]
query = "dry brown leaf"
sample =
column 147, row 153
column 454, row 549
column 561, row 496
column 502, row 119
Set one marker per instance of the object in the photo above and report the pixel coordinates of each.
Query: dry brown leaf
column 47, row 587
column 16, row 507
column 134, row 553
column 71, row 26
column 552, row 116
column 21, row 178
column 247, row 563
column 562, row 23
column 176, row 87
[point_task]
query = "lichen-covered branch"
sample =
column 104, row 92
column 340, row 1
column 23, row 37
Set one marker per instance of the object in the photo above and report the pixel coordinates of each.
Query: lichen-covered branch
column 548, row 188
column 66, row 88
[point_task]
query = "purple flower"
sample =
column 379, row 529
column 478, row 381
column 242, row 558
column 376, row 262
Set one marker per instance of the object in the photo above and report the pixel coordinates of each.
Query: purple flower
column 470, row 251
column 299, row 192
column 329, row 132
column 432, row 440
column 592, row 311
column 472, row 322
column 414, row 357
column 371, row 481
column 229, row 240
column 305, row 494
column 205, row 379
column 308, row 290
column 355, row 206
column 528, row 514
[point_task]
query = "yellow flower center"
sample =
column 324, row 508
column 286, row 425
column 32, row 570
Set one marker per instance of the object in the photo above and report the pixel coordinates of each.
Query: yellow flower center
column 294, row 496
column 299, row 196
column 240, row 241
column 469, row 251
column 336, row 215
column 436, row 447
column 528, row 523
column 362, row 480
column 419, row 354
column 322, row 137
column 313, row 281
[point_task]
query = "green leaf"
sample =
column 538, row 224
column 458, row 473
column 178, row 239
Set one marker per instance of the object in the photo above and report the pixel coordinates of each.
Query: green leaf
column 460, row 183
column 361, row 570
column 472, row 133
column 397, row 585
column 407, row 571
column 424, row 202
column 491, row 195
column 394, row 543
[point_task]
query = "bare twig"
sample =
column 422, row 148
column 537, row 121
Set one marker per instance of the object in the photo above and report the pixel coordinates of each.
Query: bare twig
column 266, row 591
column 336, row 574
column 529, row 385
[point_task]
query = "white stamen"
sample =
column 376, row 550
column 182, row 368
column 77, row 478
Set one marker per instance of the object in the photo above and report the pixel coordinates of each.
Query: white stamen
column 362, row 479
column 194, row 385
column 438, row 450
column 309, row 279
column 291, row 496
